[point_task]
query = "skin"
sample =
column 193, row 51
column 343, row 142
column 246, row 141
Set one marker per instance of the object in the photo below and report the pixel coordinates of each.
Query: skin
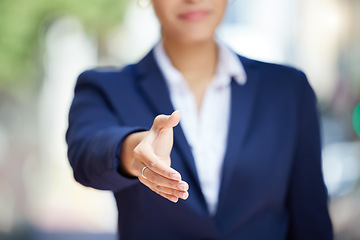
column 188, row 28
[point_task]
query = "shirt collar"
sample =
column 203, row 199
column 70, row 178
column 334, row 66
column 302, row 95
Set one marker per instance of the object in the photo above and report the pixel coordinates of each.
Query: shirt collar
column 229, row 65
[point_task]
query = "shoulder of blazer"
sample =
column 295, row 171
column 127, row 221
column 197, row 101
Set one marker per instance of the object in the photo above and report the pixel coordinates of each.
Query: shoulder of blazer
column 106, row 77
column 275, row 74
column 124, row 75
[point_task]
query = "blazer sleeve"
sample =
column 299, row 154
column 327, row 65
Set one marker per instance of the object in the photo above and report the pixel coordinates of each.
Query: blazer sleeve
column 94, row 137
column 307, row 197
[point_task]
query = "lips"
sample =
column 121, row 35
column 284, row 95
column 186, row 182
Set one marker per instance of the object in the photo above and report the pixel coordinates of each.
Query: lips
column 196, row 15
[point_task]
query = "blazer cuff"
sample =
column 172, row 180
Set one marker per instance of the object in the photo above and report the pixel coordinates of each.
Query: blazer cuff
column 117, row 153
column 102, row 172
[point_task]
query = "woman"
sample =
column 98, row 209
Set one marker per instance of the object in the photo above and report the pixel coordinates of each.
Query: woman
column 245, row 161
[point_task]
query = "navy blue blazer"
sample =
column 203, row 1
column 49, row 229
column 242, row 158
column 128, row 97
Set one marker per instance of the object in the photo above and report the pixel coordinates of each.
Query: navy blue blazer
column 271, row 184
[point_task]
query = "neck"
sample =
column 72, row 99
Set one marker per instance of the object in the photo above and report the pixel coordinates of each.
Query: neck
column 196, row 61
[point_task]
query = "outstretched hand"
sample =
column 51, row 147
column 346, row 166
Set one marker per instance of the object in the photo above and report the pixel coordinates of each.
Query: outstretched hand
column 152, row 163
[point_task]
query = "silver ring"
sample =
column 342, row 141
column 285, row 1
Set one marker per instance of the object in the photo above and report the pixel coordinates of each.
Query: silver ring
column 142, row 172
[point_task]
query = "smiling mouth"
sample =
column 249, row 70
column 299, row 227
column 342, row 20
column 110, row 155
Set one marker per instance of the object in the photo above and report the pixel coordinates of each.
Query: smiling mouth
column 194, row 15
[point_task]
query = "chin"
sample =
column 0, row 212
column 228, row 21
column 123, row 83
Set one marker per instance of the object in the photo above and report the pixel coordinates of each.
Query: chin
column 197, row 37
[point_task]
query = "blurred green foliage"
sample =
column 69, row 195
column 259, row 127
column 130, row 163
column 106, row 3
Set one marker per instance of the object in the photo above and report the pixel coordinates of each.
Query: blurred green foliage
column 20, row 21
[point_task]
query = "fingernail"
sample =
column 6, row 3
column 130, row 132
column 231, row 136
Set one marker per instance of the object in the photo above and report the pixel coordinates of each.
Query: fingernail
column 182, row 186
column 184, row 195
column 175, row 176
column 174, row 199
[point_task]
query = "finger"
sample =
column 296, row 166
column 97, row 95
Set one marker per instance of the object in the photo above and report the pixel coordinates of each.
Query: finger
column 145, row 155
column 166, row 121
column 174, row 119
column 179, row 194
column 164, row 190
column 167, row 196
column 158, row 180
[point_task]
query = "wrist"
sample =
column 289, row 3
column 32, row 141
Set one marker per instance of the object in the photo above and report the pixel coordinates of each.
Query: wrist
column 126, row 156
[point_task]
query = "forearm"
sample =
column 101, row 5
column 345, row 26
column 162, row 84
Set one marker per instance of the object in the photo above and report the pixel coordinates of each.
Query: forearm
column 126, row 152
column 93, row 156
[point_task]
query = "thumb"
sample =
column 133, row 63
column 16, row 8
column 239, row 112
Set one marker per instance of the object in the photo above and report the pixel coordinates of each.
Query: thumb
column 166, row 121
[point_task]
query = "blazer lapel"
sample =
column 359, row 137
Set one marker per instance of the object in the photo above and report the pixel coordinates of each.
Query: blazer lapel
column 153, row 87
column 243, row 99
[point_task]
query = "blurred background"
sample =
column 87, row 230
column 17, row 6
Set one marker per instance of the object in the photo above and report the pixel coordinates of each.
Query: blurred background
column 45, row 45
